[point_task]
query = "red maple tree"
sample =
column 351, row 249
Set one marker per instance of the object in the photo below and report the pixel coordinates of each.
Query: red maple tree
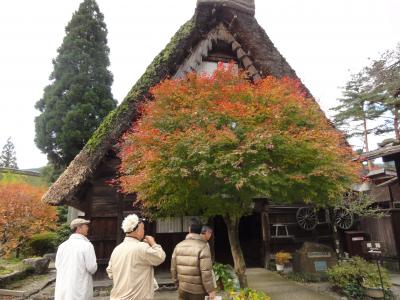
column 22, row 214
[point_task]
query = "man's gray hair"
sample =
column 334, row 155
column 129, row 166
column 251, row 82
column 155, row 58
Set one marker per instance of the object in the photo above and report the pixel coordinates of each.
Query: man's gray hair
column 206, row 228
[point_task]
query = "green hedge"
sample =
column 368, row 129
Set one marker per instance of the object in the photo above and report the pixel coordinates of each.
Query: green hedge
column 42, row 243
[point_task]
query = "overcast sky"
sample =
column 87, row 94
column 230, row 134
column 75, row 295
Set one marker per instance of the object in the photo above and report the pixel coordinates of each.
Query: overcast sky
column 323, row 41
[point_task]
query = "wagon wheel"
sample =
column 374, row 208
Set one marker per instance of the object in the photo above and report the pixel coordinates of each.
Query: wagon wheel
column 344, row 219
column 306, row 218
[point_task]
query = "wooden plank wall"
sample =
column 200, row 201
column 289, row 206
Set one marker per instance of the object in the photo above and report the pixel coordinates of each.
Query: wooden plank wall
column 104, row 212
column 380, row 229
column 286, row 215
column 395, row 213
column 395, row 188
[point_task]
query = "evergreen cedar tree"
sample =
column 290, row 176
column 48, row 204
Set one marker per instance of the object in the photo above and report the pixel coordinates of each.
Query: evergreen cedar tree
column 385, row 75
column 79, row 96
column 208, row 145
column 357, row 108
column 22, row 214
column 8, row 158
column 372, row 94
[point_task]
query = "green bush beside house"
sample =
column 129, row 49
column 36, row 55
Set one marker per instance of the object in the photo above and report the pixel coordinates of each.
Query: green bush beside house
column 228, row 282
column 355, row 275
column 42, row 243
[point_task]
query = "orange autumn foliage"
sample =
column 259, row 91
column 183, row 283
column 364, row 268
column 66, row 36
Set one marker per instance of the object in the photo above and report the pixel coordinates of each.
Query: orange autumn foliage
column 22, row 214
column 206, row 140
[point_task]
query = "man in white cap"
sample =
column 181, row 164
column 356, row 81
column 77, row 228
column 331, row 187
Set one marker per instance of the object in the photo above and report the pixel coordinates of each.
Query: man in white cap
column 75, row 264
column 131, row 263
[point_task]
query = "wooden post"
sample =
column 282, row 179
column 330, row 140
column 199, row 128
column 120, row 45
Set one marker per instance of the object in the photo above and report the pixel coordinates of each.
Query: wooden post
column 397, row 164
column 336, row 241
column 395, row 220
column 391, row 196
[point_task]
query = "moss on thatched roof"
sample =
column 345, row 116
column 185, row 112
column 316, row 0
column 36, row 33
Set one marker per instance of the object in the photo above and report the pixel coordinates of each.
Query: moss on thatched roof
column 151, row 77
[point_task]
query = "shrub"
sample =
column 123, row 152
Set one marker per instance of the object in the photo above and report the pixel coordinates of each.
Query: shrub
column 353, row 275
column 43, row 243
column 354, row 290
column 249, row 294
column 271, row 266
column 282, row 257
column 306, row 277
column 62, row 234
column 226, row 277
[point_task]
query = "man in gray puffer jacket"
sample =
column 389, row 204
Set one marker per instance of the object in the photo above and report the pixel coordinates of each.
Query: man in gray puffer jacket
column 191, row 266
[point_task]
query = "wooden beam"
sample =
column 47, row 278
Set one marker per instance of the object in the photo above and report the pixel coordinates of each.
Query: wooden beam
column 397, row 164
column 11, row 293
column 381, row 152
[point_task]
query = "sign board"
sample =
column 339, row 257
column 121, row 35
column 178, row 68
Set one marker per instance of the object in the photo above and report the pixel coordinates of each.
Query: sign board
column 374, row 247
column 316, row 254
column 320, row 265
column 313, row 257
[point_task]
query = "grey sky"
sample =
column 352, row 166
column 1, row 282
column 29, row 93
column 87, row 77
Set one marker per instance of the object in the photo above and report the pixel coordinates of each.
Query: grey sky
column 322, row 40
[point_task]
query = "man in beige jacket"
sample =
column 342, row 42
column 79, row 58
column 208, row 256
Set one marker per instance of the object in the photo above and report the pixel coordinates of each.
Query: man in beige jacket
column 191, row 266
column 131, row 263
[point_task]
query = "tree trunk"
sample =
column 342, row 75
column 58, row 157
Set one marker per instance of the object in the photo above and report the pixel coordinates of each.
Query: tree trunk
column 366, row 142
column 338, row 247
column 396, row 123
column 266, row 235
column 232, row 225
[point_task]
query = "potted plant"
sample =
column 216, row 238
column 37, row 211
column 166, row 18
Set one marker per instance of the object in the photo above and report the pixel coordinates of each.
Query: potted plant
column 282, row 258
column 372, row 287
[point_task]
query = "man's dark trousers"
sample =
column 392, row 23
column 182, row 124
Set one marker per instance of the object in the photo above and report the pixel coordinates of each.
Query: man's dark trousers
column 188, row 296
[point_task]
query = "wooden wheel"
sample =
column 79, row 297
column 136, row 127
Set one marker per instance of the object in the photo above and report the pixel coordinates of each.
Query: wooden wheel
column 307, row 218
column 344, row 219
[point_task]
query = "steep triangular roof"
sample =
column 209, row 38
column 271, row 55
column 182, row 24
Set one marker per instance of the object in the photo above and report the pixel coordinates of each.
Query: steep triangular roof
column 230, row 20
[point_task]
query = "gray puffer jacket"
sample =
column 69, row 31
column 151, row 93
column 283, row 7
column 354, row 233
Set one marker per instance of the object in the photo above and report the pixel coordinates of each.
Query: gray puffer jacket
column 191, row 265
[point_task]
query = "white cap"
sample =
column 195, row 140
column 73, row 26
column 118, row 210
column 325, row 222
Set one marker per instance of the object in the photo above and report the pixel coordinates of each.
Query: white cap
column 130, row 223
column 78, row 222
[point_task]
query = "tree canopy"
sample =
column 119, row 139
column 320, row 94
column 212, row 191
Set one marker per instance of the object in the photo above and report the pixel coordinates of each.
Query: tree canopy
column 79, row 95
column 212, row 144
column 8, row 158
column 357, row 106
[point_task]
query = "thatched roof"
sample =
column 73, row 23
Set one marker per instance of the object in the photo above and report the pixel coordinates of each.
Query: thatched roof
column 20, row 172
column 380, row 152
column 251, row 44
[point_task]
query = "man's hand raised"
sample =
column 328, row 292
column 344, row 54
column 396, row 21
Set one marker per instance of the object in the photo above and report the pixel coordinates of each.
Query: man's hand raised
column 150, row 240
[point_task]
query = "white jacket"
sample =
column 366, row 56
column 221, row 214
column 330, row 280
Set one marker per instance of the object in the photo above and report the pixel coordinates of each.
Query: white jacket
column 75, row 264
column 131, row 269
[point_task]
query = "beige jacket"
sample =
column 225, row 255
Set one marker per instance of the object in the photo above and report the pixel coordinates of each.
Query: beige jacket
column 191, row 265
column 131, row 269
